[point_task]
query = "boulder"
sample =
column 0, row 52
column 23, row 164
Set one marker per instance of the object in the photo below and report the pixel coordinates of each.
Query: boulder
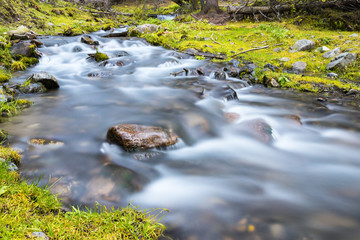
column 303, row 45
column 332, row 53
column 134, row 137
column 299, row 66
column 46, row 79
column 341, row 61
column 145, row 28
column 25, row 49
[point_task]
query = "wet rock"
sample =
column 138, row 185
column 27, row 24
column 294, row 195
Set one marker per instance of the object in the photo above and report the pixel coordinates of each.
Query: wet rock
column 232, row 71
column 122, row 54
column 100, row 74
column 224, row 92
column 46, row 79
column 299, row 66
column 89, row 41
column 139, row 137
column 341, row 61
column 332, row 53
column 40, row 235
column 33, row 88
column 270, row 82
column 145, row 28
column 25, row 49
column 117, row 34
column 303, row 45
column 220, row 75
column 143, row 156
column 256, row 128
column 354, row 35
column 77, row 49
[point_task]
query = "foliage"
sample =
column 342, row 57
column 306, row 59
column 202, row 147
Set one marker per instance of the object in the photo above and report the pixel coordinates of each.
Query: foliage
column 10, row 108
column 276, row 32
column 18, row 66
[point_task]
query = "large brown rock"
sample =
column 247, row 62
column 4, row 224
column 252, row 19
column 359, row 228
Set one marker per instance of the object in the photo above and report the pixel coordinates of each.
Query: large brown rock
column 139, row 137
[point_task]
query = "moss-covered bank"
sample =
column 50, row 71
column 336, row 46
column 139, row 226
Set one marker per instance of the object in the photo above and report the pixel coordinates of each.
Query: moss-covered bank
column 27, row 208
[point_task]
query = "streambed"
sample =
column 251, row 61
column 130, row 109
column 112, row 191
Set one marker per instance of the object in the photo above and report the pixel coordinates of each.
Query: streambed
column 270, row 164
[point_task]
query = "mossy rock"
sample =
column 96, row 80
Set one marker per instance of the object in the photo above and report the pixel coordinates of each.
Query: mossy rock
column 99, row 57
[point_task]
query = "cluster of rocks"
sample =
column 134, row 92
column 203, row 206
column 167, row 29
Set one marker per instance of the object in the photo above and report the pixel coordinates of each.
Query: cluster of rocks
column 338, row 59
column 24, row 43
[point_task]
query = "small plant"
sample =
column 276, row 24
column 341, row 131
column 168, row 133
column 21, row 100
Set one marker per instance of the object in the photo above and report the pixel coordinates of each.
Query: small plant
column 277, row 33
column 18, row 66
column 282, row 80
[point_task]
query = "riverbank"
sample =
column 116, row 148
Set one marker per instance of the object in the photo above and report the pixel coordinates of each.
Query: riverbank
column 30, row 211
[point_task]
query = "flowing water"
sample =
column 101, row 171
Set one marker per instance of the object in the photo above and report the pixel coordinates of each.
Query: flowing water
column 286, row 167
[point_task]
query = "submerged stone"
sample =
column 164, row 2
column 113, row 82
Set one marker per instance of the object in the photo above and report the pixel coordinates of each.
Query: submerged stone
column 139, row 137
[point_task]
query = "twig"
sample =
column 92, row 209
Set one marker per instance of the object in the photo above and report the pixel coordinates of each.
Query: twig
column 252, row 49
column 214, row 40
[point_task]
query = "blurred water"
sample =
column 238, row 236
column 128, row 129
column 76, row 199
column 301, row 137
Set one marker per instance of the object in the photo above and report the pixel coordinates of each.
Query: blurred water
column 286, row 167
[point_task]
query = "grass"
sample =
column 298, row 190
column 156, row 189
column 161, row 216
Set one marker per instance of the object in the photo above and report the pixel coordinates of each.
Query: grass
column 27, row 208
column 11, row 108
column 236, row 37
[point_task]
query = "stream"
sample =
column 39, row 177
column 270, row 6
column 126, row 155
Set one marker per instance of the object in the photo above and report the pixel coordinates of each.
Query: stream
column 285, row 166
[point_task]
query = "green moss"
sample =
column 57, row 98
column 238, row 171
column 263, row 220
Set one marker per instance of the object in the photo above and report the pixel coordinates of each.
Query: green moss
column 10, row 155
column 29, row 61
column 5, row 76
column 13, row 107
column 99, row 57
